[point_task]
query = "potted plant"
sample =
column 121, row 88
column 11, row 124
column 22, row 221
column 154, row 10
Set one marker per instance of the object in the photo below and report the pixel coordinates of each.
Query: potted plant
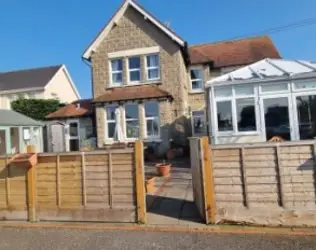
column 150, row 184
column 163, row 169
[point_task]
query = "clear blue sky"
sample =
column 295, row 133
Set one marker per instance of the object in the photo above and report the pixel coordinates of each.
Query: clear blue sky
column 47, row 32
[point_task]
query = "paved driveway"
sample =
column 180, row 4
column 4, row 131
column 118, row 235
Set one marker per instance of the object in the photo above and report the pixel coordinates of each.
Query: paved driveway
column 49, row 239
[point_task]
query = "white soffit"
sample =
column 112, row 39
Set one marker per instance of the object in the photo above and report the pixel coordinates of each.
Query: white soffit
column 266, row 69
column 147, row 16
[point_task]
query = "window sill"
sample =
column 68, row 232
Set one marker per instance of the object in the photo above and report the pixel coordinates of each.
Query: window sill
column 192, row 92
column 158, row 82
column 228, row 134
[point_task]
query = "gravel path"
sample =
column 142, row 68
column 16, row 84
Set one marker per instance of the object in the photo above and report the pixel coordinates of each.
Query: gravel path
column 49, row 239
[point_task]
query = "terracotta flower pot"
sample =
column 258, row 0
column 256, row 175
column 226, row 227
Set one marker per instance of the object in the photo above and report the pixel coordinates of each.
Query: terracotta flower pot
column 163, row 169
column 150, row 185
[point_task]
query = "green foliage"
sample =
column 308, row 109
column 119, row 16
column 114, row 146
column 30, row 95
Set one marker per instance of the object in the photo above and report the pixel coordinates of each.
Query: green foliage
column 37, row 109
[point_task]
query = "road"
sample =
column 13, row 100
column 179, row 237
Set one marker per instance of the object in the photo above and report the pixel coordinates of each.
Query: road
column 49, row 239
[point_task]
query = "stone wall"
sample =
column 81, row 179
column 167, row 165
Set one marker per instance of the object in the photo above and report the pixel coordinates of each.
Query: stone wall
column 134, row 32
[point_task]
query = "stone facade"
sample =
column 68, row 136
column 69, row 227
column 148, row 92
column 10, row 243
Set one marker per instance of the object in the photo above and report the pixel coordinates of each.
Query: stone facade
column 134, row 32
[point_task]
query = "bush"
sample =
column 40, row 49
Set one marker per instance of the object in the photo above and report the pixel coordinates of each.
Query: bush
column 37, row 109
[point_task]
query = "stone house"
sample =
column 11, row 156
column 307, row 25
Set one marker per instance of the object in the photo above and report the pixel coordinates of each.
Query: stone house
column 147, row 75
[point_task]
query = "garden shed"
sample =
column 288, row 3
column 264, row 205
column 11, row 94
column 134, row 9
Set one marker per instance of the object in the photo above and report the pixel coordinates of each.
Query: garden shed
column 272, row 98
column 17, row 131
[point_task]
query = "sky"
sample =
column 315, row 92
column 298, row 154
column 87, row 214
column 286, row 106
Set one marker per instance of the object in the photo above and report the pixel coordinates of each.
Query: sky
column 37, row 33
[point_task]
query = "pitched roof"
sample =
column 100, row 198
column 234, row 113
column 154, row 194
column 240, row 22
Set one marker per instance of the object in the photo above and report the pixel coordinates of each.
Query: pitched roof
column 268, row 70
column 12, row 118
column 77, row 108
column 133, row 93
column 28, row 78
column 234, row 52
column 120, row 12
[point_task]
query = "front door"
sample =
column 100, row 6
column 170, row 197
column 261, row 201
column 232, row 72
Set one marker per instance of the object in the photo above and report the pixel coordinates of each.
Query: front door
column 73, row 137
column 277, row 118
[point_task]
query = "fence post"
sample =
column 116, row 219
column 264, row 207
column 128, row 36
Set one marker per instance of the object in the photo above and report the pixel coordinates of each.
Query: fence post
column 31, row 188
column 140, row 182
column 207, row 171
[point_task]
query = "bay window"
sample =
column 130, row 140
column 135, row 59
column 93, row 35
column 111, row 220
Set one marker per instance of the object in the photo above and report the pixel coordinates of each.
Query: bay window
column 134, row 74
column 152, row 67
column 110, row 121
column 131, row 121
column 196, row 76
column 116, row 76
column 152, row 123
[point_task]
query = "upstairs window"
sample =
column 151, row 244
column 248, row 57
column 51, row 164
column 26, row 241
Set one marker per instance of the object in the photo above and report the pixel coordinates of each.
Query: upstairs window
column 116, row 72
column 152, row 64
column 196, row 79
column 134, row 69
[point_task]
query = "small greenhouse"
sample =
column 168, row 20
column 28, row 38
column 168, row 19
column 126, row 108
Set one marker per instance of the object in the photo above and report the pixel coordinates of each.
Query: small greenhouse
column 268, row 99
column 17, row 131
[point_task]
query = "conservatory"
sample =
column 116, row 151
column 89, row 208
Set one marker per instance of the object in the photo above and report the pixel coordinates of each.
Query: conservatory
column 272, row 98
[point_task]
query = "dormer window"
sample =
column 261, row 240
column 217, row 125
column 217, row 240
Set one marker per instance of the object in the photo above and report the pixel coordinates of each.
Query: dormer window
column 116, row 67
column 134, row 75
column 152, row 66
column 197, row 79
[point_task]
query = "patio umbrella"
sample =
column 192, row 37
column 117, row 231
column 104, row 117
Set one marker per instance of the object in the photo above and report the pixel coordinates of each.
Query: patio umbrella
column 118, row 129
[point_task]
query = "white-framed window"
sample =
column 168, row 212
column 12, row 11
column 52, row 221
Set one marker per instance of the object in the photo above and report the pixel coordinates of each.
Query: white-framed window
column 131, row 121
column 116, row 72
column 274, row 88
column 198, row 122
column 110, row 121
column 152, row 67
column 236, row 109
column 197, row 79
column 134, row 71
column 152, row 121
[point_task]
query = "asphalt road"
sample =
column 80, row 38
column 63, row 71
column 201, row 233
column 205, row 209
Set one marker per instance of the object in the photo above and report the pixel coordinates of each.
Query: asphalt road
column 49, row 239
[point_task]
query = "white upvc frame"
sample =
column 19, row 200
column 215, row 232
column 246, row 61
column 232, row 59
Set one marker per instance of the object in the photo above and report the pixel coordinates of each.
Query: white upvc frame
column 196, row 80
column 153, row 67
column 232, row 100
column 125, row 120
column 111, row 72
column 69, row 137
column 199, row 116
column 107, row 121
column 128, row 70
column 151, row 138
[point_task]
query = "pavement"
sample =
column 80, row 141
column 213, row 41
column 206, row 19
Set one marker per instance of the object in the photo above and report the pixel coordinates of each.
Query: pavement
column 174, row 204
column 49, row 239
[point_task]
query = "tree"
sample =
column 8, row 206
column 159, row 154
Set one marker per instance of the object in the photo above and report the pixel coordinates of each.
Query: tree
column 37, row 109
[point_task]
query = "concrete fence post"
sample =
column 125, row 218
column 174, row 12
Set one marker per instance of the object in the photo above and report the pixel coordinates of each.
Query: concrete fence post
column 31, row 188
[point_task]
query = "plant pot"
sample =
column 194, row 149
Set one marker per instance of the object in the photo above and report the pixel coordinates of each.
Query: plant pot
column 163, row 169
column 150, row 185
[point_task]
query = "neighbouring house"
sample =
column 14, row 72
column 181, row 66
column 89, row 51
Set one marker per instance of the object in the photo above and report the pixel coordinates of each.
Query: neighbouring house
column 71, row 128
column 17, row 131
column 143, row 69
column 52, row 82
column 272, row 98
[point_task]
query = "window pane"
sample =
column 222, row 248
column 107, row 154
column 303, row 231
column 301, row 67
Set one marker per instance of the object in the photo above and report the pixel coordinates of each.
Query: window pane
column 111, row 129
column 152, row 61
column 276, row 114
column 197, row 85
column 110, row 112
column 73, row 129
column 198, row 113
column 152, row 128
column 198, row 122
column 153, row 74
column 305, row 85
column 151, row 109
column 196, row 74
column 134, row 76
column 117, row 77
column 223, row 91
column 132, row 129
column 274, row 87
column 117, row 65
column 134, row 62
column 131, row 111
column 246, row 114
column 224, row 116
column 74, row 145
column 306, row 109
column 244, row 90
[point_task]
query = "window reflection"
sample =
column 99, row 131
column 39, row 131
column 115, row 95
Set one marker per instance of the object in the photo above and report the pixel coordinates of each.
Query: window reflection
column 306, row 109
